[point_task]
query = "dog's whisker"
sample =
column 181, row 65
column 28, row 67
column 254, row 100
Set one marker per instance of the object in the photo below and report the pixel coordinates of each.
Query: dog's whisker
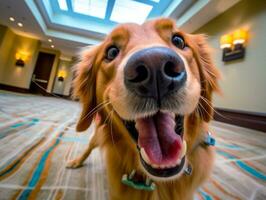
column 209, row 104
column 96, row 109
column 205, row 110
column 110, row 119
column 199, row 111
column 211, row 82
column 210, row 72
column 107, row 118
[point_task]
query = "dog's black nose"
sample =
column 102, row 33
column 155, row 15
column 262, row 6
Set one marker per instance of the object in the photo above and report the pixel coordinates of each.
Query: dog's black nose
column 154, row 72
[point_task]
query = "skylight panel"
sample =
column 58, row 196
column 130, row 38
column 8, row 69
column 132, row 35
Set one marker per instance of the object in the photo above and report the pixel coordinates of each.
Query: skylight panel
column 62, row 4
column 95, row 8
column 130, row 11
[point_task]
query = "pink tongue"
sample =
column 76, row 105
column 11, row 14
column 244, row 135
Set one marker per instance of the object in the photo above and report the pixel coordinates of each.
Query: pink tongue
column 157, row 136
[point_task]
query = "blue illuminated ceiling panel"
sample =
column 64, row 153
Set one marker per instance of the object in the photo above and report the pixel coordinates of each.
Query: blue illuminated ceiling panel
column 88, row 21
column 100, row 16
column 62, row 4
column 130, row 11
column 94, row 8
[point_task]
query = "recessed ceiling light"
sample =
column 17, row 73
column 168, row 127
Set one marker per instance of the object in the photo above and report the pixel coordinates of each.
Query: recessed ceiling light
column 20, row 24
column 52, row 46
column 50, row 40
column 11, row 19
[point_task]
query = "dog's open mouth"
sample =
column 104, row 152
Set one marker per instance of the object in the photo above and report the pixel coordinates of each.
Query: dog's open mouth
column 160, row 143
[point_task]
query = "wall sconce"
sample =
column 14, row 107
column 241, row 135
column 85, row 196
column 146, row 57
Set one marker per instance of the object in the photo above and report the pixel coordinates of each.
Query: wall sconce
column 61, row 75
column 233, row 45
column 20, row 59
column 20, row 63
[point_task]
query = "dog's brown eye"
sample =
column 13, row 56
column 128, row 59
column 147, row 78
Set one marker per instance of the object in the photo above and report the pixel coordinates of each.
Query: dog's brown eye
column 178, row 41
column 111, row 53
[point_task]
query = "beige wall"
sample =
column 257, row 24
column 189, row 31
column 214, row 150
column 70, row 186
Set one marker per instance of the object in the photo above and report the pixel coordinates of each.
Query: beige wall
column 7, row 38
column 63, row 88
column 10, row 73
column 3, row 30
column 244, row 81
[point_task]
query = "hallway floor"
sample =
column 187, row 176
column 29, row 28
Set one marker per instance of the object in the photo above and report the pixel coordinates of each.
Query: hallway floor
column 37, row 138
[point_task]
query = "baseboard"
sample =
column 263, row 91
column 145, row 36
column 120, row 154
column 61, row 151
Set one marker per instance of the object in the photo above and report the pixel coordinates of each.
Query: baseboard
column 252, row 120
column 63, row 96
column 13, row 88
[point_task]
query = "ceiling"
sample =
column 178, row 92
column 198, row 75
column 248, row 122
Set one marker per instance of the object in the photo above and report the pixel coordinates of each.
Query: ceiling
column 72, row 24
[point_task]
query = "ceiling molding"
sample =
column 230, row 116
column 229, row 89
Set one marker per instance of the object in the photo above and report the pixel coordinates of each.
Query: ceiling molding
column 202, row 12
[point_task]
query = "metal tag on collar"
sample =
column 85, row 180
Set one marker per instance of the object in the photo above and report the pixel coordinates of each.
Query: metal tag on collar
column 209, row 140
column 148, row 185
column 188, row 170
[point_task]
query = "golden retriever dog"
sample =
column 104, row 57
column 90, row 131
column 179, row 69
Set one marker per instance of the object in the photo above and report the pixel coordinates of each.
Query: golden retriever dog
column 149, row 90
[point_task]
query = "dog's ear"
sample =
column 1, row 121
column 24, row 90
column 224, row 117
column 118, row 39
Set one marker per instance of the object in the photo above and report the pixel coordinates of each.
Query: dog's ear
column 209, row 76
column 84, row 86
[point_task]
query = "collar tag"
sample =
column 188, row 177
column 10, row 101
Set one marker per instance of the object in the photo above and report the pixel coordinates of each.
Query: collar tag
column 128, row 180
column 209, row 140
column 188, row 170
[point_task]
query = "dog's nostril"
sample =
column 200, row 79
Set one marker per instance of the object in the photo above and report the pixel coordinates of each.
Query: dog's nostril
column 171, row 69
column 141, row 74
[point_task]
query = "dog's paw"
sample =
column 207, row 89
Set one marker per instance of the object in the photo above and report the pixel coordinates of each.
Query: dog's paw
column 73, row 164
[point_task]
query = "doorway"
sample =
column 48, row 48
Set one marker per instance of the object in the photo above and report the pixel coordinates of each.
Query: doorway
column 41, row 74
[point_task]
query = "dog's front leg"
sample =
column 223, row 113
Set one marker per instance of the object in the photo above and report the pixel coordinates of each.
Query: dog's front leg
column 78, row 162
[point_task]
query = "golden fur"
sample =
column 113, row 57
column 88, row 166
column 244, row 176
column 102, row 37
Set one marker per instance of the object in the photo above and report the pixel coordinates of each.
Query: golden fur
column 100, row 89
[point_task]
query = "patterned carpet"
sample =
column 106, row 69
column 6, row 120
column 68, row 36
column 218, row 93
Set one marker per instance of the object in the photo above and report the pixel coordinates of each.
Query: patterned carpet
column 37, row 138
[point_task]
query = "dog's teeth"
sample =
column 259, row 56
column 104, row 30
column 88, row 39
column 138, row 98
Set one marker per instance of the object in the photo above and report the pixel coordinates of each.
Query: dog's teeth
column 184, row 149
column 177, row 162
column 173, row 165
column 172, row 114
column 148, row 181
column 163, row 166
column 155, row 166
column 170, row 165
column 144, row 156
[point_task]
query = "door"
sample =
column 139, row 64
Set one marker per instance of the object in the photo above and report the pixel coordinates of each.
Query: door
column 41, row 74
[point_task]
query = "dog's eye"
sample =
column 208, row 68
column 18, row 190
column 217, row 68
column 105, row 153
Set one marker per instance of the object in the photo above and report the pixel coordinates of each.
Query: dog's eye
column 111, row 53
column 178, row 41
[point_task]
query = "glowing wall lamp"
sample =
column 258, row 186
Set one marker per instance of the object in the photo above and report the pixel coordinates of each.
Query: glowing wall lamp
column 61, row 75
column 20, row 59
column 233, row 45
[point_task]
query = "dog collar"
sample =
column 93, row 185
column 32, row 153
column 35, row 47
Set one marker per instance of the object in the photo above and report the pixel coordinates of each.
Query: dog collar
column 209, row 140
column 128, row 180
column 148, row 184
column 206, row 141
